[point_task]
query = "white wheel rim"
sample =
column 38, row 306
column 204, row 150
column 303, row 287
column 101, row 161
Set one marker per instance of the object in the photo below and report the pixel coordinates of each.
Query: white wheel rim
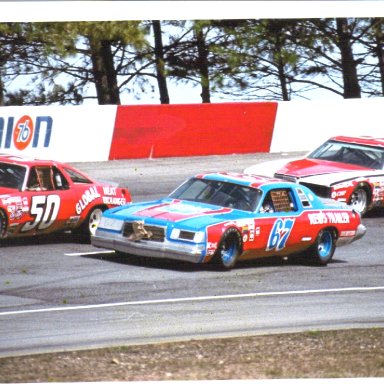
column 94, row 220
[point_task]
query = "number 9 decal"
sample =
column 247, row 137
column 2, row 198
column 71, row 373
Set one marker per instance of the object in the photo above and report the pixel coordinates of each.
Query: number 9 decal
column 45, row 209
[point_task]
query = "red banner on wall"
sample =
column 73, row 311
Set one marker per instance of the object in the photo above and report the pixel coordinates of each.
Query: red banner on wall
column 192, row 129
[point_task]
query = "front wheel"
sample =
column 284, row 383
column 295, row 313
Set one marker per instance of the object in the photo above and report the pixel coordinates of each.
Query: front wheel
column 229, row 249
column 3, row 224
column 359, row 200
column 322, row 250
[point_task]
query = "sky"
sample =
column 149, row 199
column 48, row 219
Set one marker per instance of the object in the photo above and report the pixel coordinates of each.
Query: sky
column 53, row 10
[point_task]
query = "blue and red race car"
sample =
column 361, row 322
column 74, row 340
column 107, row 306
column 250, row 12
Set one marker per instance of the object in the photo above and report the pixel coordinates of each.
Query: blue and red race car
column 226, row 217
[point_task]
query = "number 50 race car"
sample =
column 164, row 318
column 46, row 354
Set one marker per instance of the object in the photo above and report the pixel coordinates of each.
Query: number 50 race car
column 42, row 196
column 228, row 217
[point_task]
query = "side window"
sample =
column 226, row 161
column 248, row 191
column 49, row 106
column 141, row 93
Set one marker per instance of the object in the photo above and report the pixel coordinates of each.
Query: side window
column 40, row 179
column 59, row 180
column 303, row 198
column 278, row 200
column 77, row 177
column 46, row 179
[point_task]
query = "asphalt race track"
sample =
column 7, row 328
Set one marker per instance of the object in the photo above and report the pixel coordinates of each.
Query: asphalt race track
column 57, row 293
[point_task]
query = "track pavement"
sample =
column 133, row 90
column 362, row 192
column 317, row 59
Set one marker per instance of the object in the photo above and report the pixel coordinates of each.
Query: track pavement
column 59, row 294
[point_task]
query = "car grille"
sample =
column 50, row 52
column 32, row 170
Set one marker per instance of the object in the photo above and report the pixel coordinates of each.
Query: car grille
column 157, row 233
column 285, row 177
column 319, row 190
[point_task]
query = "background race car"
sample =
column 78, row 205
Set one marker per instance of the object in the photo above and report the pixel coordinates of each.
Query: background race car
column 39, row 197
column 347, row 169
column 225, row 217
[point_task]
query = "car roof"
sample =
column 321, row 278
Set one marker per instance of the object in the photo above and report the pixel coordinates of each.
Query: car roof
column 254, row 181
column 363, row 140
column 25, row 161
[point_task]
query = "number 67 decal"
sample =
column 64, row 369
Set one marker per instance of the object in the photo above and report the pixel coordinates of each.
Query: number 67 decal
column 45, row 210
column 279, row 234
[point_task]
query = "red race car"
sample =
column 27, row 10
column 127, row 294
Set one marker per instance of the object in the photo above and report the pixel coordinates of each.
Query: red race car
column 42, row 196
column 346, row 169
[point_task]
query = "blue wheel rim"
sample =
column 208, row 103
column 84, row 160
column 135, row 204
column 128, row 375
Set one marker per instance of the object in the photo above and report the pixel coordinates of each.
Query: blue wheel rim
column 325, row 245
column 228, row 253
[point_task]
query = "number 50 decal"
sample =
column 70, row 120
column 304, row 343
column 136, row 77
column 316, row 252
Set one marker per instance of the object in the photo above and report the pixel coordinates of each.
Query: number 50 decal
column 279, row 234
column 45, row 210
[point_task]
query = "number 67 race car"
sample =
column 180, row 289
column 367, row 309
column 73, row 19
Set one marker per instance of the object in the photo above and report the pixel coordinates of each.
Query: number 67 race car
column 225, row 217
column 41, row 196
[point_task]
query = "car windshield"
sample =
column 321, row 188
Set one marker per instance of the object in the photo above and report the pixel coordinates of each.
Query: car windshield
column 220, row 193
column 11, row 176
column 365, row 156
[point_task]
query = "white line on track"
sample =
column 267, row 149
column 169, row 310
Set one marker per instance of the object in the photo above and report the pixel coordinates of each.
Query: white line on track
column 193, row 299
column 88, row 253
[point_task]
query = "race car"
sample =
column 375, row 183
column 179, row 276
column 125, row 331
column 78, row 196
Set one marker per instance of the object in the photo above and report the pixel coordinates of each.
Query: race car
column 42, row 196
column 347, row 169
column 226, row 217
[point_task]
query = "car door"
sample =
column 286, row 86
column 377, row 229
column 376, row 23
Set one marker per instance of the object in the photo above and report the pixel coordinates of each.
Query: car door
column 278, row 223
column 51, row 202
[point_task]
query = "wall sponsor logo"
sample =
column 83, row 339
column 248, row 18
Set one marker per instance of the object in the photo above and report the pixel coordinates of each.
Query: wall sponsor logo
column 25, row 132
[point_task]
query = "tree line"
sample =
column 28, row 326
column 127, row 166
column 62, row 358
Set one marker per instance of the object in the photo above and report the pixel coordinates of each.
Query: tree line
column 274, row 59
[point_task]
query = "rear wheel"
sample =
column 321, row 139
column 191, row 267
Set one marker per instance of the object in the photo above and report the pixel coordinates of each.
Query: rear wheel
column 359, row 200
column 229, row 249
column 90, row 224
column 322, row 250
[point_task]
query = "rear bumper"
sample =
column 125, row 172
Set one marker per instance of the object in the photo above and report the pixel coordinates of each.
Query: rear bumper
column 344, row 240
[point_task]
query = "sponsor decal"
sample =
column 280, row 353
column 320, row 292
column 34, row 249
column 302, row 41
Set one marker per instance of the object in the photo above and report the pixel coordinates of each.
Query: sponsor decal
column 328, row 218
column 248, row 231
column 337, row 194
column 111, row 197
column 279, row 234
column 110, row 200
column 347, row 233
column 16, row 206
column 26, row 132
column 44, row 210
column 211, row 248
column 89, row 195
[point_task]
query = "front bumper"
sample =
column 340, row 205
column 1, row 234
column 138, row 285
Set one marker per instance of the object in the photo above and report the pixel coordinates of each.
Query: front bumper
column 193, row 253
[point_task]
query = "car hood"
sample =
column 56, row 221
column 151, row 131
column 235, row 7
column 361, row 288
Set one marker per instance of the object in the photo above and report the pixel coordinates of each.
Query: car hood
column 176, row 212
column 310, row 167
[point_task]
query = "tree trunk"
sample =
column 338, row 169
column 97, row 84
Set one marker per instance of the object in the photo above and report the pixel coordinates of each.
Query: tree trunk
column 160, row 67
column 379, row 50
column 348, row 64
column 203, row 66
column 104, row 72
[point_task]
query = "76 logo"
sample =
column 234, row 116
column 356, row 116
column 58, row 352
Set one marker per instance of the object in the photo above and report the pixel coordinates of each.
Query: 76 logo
column 279, row 234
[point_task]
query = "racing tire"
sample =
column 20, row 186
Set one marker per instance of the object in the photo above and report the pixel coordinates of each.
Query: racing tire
column 89, row 226
column 359, row 200
column 229, row 249
column 3, row 224
column 322, row 250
